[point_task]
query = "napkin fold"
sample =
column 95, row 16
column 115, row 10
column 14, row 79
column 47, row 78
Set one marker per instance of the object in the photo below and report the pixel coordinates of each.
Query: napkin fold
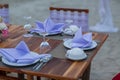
column 48, row 26
column 19, row 54
column 30, row 58
column 82, row 41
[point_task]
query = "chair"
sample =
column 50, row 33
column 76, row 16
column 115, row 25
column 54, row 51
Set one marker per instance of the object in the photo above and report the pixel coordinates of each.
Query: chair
column 7, row 78
column 78, row 16
column 4, row 12
column 3, row 76
column 116, row 77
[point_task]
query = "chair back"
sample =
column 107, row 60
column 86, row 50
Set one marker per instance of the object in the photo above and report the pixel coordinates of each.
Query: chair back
column 4, row 12
column 78, row 16
column 3, row 76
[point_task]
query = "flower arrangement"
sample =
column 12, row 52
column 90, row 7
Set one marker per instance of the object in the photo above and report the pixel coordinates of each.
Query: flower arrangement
column 3, row 30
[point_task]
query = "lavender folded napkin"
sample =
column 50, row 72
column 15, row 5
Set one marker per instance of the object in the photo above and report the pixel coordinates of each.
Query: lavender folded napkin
column 29, row 58
column 20, row 54
column 80, row 40
column 48, row 26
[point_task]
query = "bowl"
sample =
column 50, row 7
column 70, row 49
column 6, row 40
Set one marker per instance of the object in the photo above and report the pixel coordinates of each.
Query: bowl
column 74, row 28
column 76, row 54
column 71, row 30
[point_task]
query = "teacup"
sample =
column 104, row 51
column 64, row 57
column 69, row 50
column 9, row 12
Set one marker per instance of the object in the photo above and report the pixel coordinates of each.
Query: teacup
column 74, row 28
column 76, row 54
column 71, row 30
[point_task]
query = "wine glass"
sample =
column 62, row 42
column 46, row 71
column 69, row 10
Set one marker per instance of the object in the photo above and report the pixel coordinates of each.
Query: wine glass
column 44, row 45
column 27, row 26
column 66, row 29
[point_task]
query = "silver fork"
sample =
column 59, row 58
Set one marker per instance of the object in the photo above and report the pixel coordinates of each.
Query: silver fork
column 37, row 64
column 43, row 61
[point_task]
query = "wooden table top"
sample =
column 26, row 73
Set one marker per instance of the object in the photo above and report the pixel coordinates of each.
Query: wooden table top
column 57, row 68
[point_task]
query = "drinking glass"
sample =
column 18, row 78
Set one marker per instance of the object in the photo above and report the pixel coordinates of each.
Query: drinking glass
column 67, row 24
column 66, row 29
column 44, row 45
column 27, row 26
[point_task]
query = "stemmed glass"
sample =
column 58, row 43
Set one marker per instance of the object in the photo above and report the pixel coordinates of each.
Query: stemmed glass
column 66, row 28
column 67, row 24
column 27, row 26
column 44, row 45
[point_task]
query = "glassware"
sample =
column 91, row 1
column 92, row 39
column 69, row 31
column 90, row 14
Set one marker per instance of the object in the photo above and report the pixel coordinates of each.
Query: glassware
column 66, row 29
column 27, row 26
column 68, row 23
column 44, row 45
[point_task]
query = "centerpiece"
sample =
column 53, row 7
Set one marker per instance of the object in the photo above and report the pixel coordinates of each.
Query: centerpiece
column 3, row 30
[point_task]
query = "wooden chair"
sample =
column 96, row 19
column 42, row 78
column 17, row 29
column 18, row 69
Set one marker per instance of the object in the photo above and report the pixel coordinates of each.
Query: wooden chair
column 78, row 16
column 4, row 12
column 8, row 78
column 3, row 76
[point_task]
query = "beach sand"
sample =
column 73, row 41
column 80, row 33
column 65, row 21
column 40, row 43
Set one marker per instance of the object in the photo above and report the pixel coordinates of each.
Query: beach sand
column 107, row 62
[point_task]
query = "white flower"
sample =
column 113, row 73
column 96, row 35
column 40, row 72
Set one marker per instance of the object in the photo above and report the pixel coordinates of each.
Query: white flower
column 3, row 26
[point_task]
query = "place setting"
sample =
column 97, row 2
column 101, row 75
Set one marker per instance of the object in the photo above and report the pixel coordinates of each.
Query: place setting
column 78, row 45
column 48, row 27
column 22, row 56
column 83, row 41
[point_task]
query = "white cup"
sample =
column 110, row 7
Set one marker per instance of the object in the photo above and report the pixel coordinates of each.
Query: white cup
column 76, row 53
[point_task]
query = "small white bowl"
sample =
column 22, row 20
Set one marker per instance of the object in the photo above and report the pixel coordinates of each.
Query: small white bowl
column 74, row 28
column 71, row 30
column 76, row 54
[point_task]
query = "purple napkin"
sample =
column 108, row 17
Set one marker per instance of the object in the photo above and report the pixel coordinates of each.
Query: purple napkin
column 7, row 54
column 22, row 46
column 30, row 58
column 11, row 54
column 39, row 27
column 48, row 26
column 82, row 41
column 19, row 54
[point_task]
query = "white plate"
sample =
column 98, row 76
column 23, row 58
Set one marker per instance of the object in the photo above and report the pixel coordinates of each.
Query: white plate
column 81, row 58
column 5, row 61
column 53, row 33
column 68, row 33
column 68, row 44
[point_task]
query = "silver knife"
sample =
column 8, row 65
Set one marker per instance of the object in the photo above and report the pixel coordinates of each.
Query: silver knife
column 36, row 64
column 43, row 61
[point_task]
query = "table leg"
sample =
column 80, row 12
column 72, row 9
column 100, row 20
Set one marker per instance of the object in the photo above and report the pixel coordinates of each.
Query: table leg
column 38, row 78
column 86, row 75
column 21, row 76
column 2, row 73
column 29, row 77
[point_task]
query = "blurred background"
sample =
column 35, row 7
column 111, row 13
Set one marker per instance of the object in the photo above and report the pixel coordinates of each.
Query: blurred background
column 39, row 9
column 107, row 62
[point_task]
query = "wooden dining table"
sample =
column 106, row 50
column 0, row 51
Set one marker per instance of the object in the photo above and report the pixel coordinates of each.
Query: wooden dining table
column 59, row 67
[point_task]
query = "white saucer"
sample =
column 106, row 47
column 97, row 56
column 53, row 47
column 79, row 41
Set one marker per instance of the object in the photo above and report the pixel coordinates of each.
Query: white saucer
column 68, row 44
column 80, row 58
column 5, row 61
column 52, row 33
column 68, row 33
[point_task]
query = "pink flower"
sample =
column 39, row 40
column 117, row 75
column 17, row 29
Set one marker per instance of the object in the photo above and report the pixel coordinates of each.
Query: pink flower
column 5, row 32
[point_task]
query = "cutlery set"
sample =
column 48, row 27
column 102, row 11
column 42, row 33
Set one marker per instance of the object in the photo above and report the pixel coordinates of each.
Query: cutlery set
column 42, row 62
